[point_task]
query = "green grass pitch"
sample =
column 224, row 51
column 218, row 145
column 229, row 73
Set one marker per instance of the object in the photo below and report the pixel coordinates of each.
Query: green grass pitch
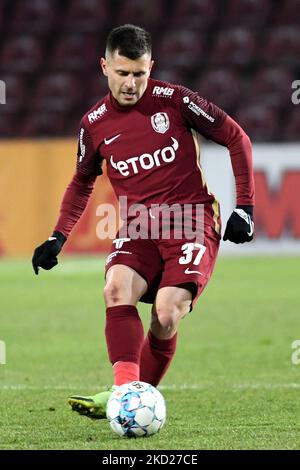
column 232, row 384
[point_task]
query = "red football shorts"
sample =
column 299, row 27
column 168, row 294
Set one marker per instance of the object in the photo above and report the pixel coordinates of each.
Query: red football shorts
column 168, row 262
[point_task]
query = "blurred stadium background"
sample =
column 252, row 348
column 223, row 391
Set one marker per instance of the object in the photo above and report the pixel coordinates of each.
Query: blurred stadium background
column 232, row 373
column 241, row 54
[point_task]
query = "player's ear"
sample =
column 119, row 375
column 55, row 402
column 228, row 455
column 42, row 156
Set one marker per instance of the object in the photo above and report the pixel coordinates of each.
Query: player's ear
column 151, row 65
column 103, row 65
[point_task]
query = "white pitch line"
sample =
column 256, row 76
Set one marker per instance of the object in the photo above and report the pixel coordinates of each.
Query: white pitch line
column 242, row 386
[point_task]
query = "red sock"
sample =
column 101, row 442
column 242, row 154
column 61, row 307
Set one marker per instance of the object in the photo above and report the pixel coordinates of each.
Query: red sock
column 126, row 372
column 156, row 357
column 124, row 337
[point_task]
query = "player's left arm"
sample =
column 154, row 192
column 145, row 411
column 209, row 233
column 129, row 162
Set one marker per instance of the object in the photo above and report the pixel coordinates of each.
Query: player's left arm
column 216, row 125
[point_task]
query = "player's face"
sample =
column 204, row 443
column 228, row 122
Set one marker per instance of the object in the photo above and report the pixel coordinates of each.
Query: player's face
column 127, row 79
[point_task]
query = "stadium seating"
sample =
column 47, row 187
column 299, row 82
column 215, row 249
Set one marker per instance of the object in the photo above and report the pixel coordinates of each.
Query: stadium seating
column 84, row 16
column 169, row 74
column 35, row 17
column 8, row 123
column 57, row 92
column 148, row 12
column 74, row 53
column 234, row 46
column 282, row 46
column 222, row 86
column 15, row 93
column 241, row 54
column 271, row 86
column 287, row 13
column 249, row 13
column 292, row 129
column 39, row 123
column 97, row 88
column 260, row 122
column 197, row 14
column 22, row 54
column 176, row 51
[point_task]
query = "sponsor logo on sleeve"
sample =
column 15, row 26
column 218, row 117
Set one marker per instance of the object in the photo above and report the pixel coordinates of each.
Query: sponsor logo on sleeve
column 196, row 109
column 81, row 145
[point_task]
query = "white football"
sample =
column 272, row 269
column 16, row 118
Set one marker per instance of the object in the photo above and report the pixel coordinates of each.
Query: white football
column 136, row 409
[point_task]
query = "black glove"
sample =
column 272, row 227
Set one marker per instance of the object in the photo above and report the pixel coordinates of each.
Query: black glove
column 45, row 255
column 240, row 225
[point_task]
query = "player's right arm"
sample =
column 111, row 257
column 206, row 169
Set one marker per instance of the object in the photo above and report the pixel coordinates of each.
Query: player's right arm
column 73, row 204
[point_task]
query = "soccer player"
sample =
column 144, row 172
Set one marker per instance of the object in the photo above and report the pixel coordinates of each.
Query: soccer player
column 146, row 132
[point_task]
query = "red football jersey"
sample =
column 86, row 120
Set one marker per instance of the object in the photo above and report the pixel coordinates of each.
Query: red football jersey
column 152, row 151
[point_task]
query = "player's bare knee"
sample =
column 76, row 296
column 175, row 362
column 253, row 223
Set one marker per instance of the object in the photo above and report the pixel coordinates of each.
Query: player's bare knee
column 167, row 323
column 167, row 316
column 123, row 286
column 113, row 294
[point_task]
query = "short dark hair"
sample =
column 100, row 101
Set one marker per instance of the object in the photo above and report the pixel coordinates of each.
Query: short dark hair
column 130, row 41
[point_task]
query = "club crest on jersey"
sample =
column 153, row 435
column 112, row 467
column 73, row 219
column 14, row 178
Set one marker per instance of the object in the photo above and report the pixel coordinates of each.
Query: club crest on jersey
column 160, row 122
